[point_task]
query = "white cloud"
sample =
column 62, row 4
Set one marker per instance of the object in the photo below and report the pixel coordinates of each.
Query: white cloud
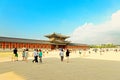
column 107, row 32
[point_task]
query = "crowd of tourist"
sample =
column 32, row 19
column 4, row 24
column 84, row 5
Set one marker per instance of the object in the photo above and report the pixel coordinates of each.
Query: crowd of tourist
column 38, row 54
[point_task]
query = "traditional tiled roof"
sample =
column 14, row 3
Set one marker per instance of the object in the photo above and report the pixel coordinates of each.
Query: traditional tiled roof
column 20, row 40
column 57, row 35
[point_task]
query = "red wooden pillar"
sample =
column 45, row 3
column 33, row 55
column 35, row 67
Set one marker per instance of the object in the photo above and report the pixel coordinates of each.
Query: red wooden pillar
column 39, row 45
column 31, row 46
column 28, row 45
column 0, row 45
column 50, row 46
column 36, row 46
column 17, row 45
column 24, row 45
column 46, row 46
column 8, row 45
column 11, row 45
column 20, row 45
column 14, row 45
column 3, row 45
column 43, row 46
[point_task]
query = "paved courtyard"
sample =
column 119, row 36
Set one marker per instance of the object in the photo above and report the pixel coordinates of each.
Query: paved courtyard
column 53, row 69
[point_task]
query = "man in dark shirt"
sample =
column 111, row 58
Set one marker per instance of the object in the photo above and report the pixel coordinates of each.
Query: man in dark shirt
column 16, row 54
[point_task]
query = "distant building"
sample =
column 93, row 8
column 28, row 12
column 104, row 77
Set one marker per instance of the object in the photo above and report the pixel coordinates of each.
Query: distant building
column 55, row 41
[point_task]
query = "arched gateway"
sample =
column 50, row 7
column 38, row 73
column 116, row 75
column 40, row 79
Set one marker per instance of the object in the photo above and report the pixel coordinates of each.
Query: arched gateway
column 55, row 41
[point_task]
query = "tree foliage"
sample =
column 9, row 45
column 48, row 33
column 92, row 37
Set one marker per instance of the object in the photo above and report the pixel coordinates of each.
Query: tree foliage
column 104, row 46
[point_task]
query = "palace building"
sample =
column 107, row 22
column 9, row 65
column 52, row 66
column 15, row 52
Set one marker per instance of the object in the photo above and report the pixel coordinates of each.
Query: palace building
column 55, row 41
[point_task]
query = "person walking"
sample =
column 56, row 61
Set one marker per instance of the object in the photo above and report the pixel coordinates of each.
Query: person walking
column 23, row 55
column 15, row 51
column 35, row 54
column 61, row 55
column 67, row 55
column 26, row 55
column 40, row 56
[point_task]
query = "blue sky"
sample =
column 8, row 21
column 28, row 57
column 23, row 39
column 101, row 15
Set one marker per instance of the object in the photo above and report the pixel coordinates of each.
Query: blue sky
column 35, row 18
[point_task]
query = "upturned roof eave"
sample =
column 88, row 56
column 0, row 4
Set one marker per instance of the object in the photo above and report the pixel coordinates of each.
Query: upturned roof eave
column 55, row 34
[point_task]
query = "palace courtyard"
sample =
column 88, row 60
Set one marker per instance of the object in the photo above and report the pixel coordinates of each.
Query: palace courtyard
column 94, row 67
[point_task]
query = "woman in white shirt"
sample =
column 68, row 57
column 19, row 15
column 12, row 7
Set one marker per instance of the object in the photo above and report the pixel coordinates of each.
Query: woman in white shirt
column 35, row 54
column 61, row 55
column 26, row 55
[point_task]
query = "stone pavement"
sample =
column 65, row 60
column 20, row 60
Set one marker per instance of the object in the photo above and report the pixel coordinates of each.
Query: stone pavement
column 81, row 67
column 54, row 69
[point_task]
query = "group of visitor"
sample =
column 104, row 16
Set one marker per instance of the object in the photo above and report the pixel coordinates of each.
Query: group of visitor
column 15, row 55
column 25, row 55
column 62, row 55
column 37, row 54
